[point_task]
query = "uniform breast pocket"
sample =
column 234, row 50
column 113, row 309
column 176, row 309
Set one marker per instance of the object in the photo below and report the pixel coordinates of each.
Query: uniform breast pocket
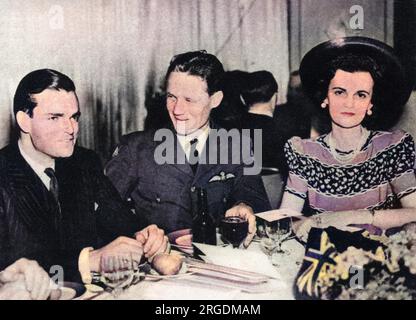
column 219, row 196
column 145, row 195
column 153, row 195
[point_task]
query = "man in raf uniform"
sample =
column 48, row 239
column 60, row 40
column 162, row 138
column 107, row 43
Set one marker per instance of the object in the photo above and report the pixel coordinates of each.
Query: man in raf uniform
column 165, row 193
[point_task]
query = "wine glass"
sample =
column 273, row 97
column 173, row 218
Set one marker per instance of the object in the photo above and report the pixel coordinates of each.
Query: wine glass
column 269, row 247
column 118, row 272
column 234, row 230
column 279, row 231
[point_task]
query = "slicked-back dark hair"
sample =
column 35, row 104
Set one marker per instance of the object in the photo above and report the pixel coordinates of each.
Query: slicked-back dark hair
column 260, row 87
column 201, row 64
column 36, row 82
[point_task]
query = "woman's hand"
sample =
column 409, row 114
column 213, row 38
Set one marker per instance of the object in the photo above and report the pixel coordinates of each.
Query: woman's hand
column 302, row 227
column 340, row 220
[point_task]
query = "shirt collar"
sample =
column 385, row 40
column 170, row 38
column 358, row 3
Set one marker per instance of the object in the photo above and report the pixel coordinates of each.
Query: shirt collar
column 36, row 166
column 202, row 136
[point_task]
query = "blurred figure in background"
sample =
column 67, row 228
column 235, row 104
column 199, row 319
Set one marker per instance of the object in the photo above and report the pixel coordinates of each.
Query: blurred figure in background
column 259, row 95
column 228, row 114
column 298, row 116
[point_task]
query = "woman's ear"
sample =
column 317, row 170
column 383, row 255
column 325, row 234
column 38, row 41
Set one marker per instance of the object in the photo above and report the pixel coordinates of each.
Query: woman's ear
column 216, row 99
column 23, row 120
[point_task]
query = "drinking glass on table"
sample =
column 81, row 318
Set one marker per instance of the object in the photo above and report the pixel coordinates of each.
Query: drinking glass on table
column 279, row 231
column 234, row 230
column 118, row 272
column 269, row 247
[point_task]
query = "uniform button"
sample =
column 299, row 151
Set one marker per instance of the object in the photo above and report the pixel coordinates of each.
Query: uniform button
column 204, row 223
column 158, row 200
column 193, row 189
column 224, row 200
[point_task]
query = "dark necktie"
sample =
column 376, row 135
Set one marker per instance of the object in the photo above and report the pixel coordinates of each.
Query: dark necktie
column 54, row 189
column 53, row 185
column 194, row 154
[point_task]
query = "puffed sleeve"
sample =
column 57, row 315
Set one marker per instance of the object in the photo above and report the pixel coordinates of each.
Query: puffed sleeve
column 296, row 182
column 402, row 154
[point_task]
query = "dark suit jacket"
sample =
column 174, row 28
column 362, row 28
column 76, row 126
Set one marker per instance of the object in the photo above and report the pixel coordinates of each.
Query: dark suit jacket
column 164, row 194
column 30, row 225
column 272, row 140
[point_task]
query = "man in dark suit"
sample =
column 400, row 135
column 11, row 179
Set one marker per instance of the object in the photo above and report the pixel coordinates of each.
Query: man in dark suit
column 56, row 205
column 164, row 190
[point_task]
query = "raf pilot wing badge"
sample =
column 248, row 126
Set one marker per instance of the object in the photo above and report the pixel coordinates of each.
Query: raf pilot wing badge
column 222, row 176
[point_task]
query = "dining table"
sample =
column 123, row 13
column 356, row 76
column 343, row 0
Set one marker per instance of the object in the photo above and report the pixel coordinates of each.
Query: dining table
column 278, row 285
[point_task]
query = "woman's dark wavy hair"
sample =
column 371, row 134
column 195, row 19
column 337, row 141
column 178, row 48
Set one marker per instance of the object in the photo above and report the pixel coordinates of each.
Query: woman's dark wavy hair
column 201, row 64
column 353, row 63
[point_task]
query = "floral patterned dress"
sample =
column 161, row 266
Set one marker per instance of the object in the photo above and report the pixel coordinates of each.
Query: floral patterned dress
column 379, row 175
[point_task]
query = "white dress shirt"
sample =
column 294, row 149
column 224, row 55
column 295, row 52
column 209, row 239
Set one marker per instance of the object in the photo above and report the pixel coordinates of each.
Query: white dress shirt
column 200, row 134
column 37, row 167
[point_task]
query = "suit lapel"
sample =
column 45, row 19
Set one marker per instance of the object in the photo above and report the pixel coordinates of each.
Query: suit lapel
column 28, row 191
column 74, row 194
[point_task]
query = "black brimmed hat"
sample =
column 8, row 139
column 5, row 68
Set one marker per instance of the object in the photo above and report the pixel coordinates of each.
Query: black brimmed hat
column 394, row 84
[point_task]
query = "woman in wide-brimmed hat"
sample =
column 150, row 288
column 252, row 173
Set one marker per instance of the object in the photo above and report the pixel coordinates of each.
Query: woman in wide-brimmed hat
column 356, row 174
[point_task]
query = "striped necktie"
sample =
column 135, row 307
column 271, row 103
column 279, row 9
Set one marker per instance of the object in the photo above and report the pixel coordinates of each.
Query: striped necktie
column 53, row 185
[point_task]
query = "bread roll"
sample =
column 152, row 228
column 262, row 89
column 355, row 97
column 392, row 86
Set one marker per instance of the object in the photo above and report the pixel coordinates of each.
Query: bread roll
column 167, row 264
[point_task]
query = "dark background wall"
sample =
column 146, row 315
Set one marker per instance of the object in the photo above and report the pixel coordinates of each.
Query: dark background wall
column 312, row 22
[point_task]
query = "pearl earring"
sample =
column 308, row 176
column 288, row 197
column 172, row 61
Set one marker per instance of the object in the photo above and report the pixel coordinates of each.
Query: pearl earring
column 369, row 112
column 323, row 105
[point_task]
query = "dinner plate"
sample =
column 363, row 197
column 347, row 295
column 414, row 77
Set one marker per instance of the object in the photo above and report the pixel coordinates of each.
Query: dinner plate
column 71, row 290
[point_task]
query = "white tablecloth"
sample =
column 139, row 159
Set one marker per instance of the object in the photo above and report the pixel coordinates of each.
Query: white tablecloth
column 183, row 288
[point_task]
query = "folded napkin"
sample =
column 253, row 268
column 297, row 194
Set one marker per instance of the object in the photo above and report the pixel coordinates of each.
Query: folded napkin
column 248, row 260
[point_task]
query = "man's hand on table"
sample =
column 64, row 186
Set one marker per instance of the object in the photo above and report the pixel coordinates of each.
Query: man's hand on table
column 147, row 242
column 25, row 279
column 120, row 246
column 153, row 240
column 244, row 211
